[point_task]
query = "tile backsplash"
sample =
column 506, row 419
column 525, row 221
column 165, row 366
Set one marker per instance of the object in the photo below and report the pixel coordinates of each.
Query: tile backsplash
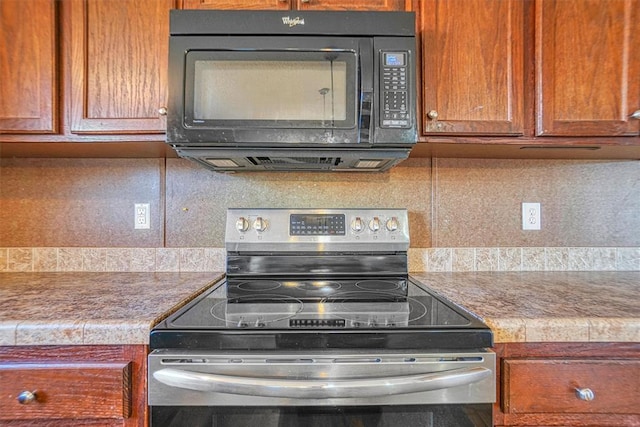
column 420, row 259
column 464, row 214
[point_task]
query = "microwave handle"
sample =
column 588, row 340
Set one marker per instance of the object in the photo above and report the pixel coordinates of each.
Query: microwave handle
column 321, row 388
column 367, row 104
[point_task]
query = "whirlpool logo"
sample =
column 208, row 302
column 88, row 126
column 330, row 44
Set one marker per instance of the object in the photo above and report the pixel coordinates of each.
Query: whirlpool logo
column 292, row 22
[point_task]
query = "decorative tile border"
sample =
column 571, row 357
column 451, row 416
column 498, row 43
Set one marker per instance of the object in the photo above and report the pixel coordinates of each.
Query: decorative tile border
column 48, row 259
column 524, row 259
column 420, row 259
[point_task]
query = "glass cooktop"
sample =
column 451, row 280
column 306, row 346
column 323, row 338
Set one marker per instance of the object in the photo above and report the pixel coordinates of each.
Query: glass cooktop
column 344, row 317
column 269, row 307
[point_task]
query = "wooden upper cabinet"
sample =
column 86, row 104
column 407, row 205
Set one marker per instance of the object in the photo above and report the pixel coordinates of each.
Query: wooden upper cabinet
column 237, row 4
column 381, row 5
column 28, row 79
column 374, row 5
column 587, row 67
column 118, row 65
column 472, row 67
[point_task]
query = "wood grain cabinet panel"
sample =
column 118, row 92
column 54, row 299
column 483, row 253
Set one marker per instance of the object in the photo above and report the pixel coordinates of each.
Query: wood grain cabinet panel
column 28, row 66
column 551, row 386
column 472, row 67
column 237, row 4
column 77, row 390
column 538, row 384
column 118, row 65
column 102, row 385
column 379, row 5
column 373, row 5
column 587, row 67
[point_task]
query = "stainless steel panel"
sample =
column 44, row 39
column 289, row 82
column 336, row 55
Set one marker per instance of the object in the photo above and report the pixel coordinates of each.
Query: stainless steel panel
column 276, row 237
column 183, row 378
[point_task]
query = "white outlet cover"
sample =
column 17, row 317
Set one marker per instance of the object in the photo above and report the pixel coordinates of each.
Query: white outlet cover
column 531, row 216
column 142, row 216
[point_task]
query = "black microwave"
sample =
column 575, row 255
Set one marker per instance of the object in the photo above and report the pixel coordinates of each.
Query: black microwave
column 273, row 90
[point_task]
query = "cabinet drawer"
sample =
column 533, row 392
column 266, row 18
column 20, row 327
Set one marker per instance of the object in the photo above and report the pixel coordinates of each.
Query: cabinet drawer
column 70, row 390
column 551, row 386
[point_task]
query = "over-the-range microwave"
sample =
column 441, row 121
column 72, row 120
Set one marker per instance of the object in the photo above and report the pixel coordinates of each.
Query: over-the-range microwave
column 292, row 90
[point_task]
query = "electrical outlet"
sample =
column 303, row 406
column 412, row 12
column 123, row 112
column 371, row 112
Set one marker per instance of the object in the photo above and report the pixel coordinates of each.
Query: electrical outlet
column 531, row 216
column 142, row 216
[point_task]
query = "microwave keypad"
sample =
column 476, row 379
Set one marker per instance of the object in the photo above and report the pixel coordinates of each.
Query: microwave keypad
column 395, row 111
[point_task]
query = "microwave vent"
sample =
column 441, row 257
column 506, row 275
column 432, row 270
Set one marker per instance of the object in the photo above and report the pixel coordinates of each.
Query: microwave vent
column 295, row 162
column 223, row 163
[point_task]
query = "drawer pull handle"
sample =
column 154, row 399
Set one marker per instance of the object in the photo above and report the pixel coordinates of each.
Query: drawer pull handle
column 585, row 394
column 26, row 397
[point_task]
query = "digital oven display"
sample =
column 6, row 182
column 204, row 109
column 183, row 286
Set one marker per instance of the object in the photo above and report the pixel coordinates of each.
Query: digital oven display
column 317, row 225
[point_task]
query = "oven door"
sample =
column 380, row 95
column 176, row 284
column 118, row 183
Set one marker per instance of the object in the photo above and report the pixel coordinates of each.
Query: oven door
column 467, row 415
column 328, row 389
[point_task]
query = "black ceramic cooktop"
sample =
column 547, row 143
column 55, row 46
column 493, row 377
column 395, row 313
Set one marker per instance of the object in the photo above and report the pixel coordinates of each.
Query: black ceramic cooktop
column 340, row 317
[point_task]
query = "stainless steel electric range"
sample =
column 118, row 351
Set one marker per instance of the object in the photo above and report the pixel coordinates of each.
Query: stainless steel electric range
column 319, row 323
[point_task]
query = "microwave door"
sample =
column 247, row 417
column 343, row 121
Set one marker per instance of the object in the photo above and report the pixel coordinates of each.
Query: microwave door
column 243, row 89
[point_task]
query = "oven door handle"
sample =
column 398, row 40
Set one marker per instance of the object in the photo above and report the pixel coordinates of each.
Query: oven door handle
column 321, row 388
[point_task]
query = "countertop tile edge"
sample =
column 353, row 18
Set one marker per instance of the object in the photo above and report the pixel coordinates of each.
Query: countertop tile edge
column 8, row 332
column 117, row 332
column 52, row 332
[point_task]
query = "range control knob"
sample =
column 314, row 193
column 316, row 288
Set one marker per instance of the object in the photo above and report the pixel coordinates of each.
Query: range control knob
column 242, row 224
column 392, row 223
column 357, row 225
column 260, row 224
column 374, row 224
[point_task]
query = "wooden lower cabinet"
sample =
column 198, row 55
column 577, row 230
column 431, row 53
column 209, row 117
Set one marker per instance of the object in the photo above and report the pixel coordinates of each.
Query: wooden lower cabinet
column 568, row 384
column 73, row 386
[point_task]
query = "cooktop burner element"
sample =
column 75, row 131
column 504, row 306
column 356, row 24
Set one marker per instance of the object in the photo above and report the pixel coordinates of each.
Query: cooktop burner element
column 253, row 312
column 380, row 285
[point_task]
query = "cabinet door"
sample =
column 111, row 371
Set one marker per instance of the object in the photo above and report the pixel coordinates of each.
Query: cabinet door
column 376, row 5
column 296, row 4
column 65, row 391
column 28, row 91
column 587, row 67
column 236, row 4
column 473, row 67
column 580, row 386
column 118, row 61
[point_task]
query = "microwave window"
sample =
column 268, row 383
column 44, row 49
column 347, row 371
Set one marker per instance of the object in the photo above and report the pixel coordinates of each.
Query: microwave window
column 270, row 90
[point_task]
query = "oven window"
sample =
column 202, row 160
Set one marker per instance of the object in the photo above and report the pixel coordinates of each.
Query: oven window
column 468, row 415
column 271, row 89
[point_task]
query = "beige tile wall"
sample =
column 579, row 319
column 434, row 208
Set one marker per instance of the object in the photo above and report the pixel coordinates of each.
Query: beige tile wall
column 464, row 213
column 197, row 199
column 477, row 202
column 79, row 202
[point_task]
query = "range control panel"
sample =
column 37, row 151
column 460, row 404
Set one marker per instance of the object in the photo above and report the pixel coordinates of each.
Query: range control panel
column 320, row 229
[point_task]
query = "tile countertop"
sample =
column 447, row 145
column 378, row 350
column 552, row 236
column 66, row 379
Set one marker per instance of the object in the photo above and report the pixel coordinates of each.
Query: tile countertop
column 547, row 306
column 121, row 308
column 91, row 308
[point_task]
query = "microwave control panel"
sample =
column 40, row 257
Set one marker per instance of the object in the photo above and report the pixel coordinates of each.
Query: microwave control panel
column 395, row 90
